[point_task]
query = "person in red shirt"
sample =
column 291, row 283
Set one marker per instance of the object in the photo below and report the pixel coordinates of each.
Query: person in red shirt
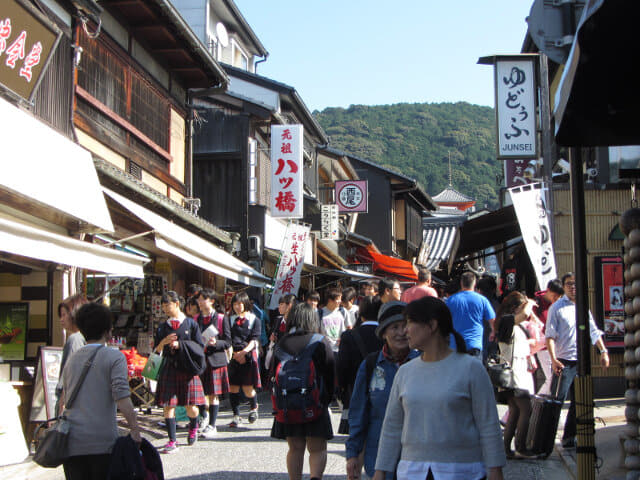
column 422, row 289
column 546, row 298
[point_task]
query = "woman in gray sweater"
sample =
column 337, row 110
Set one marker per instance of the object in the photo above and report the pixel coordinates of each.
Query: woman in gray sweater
column 441, row 420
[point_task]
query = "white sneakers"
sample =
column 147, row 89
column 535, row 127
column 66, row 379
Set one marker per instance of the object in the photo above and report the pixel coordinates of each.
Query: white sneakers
column 209, row 432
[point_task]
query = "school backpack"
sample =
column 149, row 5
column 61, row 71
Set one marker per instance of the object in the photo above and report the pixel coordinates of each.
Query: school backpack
column 297, row 389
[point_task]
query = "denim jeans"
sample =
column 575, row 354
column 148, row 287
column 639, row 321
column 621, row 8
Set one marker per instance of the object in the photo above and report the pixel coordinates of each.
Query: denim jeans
column 566, row 388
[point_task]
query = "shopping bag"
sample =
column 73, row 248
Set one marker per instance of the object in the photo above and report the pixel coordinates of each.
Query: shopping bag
column 152, row 368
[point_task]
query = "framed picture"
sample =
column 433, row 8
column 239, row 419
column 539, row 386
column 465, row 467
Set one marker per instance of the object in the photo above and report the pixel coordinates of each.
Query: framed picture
column 609, row 294
column 13, row 330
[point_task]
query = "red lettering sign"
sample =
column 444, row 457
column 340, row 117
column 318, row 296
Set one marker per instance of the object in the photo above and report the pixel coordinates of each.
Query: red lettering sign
column 16, row 50
column 5, row 31
column 31, row 61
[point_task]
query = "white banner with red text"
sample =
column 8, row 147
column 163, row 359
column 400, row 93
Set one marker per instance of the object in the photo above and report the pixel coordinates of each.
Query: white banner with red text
column 287, row 278
column 286, row 171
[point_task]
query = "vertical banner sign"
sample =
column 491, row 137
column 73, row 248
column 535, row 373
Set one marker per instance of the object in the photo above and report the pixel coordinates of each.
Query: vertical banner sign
column 287, row 278
column 351, row 196
column 329, row 225
column 516, row 107
column 531, row 211
column 609, row 293
column 286, row 171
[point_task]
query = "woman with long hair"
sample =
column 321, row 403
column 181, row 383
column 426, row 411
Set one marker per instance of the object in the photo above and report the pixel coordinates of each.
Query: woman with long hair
column 515, row 348
column 313, row 436
column 441, row 417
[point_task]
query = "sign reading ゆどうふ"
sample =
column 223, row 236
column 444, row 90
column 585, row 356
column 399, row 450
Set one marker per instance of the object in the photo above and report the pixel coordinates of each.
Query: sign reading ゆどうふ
column 27, row 40
column 286, row 171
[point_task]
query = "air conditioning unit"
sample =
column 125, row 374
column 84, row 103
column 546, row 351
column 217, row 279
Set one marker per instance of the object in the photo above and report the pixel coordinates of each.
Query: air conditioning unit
column 254, row 248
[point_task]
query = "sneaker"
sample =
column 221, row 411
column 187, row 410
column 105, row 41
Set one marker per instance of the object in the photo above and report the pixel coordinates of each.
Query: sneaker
column 170, row 447
column 209, row 432
column 193, row 436
column 253, row 416
column 203, row 422
column 236, row 421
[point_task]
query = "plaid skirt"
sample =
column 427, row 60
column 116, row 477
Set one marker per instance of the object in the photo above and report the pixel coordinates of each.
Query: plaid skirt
column 215, row 381
column 247, row 373
column 178, row 388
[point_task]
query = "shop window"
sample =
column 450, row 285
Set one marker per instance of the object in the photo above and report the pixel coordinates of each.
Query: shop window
column 622, row 157
column 123, row 99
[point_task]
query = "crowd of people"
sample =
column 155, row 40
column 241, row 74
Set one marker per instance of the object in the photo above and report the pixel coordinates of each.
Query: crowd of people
column 407, row 369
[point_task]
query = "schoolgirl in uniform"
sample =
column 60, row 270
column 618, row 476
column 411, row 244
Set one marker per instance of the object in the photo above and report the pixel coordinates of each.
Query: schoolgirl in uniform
column 177, row 387
column 215, row 379
column 243, row 369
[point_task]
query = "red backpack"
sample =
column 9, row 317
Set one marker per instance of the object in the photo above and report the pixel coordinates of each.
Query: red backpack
column 297, row 390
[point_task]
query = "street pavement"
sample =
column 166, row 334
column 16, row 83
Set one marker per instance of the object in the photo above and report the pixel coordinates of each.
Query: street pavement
column 248, row 452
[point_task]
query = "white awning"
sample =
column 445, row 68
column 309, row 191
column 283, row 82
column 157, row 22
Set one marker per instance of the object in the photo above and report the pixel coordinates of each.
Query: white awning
column 178, row 241
column 41, row 164
column 34, row 242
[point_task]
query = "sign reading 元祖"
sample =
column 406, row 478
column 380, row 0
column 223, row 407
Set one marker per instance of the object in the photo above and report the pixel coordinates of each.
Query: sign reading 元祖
column 286, row 171
column 287, row 278
column 516, row 107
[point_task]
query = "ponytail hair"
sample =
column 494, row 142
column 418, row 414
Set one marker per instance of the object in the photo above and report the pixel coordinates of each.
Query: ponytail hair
column 430, row 308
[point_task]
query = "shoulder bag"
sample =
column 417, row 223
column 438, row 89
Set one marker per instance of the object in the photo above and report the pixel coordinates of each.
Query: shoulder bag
column 53, row 449
column 501, row 374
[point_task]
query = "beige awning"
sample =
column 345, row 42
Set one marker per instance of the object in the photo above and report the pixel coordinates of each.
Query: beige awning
column 193, row 249
column 35, row 242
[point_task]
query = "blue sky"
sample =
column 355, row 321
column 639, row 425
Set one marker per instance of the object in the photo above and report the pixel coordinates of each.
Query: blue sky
column 374, row 52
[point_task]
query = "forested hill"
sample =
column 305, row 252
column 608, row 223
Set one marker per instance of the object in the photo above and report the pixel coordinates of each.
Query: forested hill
column 416, row 140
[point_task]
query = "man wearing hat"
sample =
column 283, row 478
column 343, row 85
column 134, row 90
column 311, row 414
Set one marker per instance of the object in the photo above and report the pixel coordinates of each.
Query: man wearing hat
column 372, row 388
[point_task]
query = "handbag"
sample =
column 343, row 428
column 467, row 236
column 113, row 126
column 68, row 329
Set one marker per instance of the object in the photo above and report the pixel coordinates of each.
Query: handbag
column 53, row 449
column 153, row 366
column 501, row 373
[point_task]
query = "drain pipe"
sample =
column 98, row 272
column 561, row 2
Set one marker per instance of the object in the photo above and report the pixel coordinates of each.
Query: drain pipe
column 263, row 59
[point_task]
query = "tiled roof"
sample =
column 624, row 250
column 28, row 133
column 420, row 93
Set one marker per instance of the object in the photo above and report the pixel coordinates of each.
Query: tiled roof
column 450, row 194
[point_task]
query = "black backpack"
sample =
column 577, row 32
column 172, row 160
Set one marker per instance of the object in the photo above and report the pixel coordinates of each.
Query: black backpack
column 297, row 389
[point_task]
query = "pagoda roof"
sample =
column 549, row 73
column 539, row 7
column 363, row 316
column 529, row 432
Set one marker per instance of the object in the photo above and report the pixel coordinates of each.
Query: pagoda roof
column 451, row 195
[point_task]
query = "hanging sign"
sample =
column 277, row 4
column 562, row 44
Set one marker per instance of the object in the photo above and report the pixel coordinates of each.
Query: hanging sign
column 516, row 106
column 27, row 41
column 286, row 171
column 287, row 278
column 531, row 212
column 351, row 196
column 329, row 224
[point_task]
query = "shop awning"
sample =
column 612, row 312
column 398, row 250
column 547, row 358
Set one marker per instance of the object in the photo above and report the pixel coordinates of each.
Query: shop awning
column 34, row 242
column 488, row 230
column 193, row 249
column 438, row 240
column 42, row 165
column 597, row 100
column 385, row 265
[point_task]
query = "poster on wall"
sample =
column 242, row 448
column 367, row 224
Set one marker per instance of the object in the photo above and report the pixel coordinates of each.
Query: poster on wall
column 609, row 299
column 13, row 330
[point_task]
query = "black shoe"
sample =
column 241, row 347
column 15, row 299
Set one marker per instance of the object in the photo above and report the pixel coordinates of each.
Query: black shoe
column 569, row 443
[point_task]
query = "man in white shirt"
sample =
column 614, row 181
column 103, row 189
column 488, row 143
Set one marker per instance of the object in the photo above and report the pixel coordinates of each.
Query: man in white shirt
column 348, row 299
column 562, row 345
column 333, row 317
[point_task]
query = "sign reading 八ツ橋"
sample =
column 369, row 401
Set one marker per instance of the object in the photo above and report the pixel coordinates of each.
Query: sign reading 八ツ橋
column 528, row 202
column 286, row 171
column 516, row 107
column 287, row 278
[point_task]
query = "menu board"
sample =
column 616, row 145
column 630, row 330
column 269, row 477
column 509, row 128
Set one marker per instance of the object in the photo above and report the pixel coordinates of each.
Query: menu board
column 44, row 391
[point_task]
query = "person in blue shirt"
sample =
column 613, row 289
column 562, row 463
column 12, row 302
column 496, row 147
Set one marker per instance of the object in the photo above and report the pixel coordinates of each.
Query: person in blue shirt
column 471, row 313
column 370, row 395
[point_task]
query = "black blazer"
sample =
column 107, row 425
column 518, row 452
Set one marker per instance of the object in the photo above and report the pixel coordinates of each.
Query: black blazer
column 350, row 357
column 216, row 356
column 188, row 331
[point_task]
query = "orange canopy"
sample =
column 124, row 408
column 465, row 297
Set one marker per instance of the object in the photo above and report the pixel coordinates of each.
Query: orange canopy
column 386, row 265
